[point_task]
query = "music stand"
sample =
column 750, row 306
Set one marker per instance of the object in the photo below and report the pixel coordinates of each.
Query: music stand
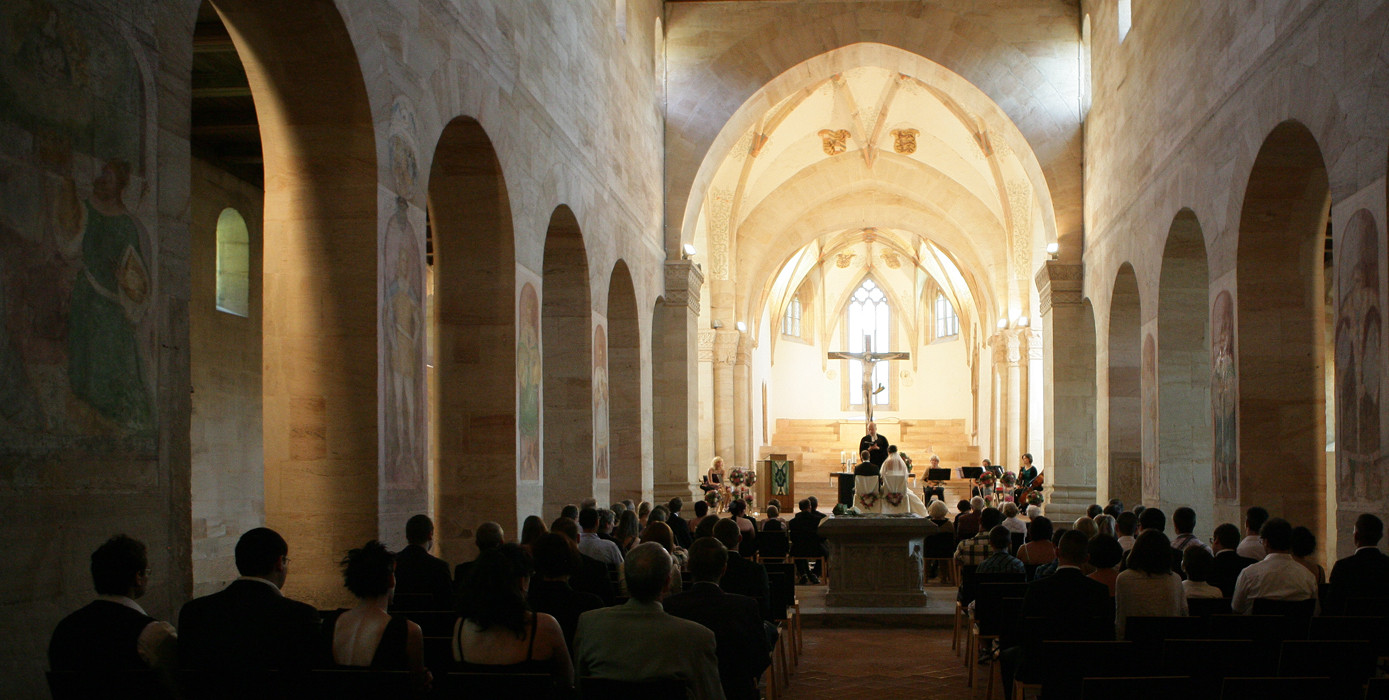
column 941, row 474
column 971, row 472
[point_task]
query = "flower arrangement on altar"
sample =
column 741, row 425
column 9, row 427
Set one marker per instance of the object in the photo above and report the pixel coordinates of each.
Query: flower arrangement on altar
column 987, row 479
column 1010, row 480
column 742, row 476
column 712, row 498
column 745, row 494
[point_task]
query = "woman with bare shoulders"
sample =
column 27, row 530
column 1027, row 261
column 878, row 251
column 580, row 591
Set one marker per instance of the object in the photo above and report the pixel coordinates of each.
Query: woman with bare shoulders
column 498, row 632
column 367, row 636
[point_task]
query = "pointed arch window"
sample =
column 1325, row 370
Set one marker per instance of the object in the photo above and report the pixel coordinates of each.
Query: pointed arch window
column 868, row 314
column 233, row 263
column 791, row 322
column 947, row 320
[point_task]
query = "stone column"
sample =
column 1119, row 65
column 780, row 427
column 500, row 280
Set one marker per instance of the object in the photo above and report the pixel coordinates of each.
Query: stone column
column 1068, row 385
column 725, row 355
column 743, row 453
column 675, row 398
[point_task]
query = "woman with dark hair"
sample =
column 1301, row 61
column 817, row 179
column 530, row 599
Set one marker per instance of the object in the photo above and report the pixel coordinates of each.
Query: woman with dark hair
column 1105, row 555
column 531, row 530
column 746, row 526
column 1039, row 549
column 556, row 559
column 497, row 631
column 627, row 530
column 1149, row 587
column 661, row 534
column 1304, row 543
column 366, row 636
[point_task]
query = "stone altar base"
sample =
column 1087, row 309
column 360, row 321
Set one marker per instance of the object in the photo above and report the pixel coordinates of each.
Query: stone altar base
column 876, row 561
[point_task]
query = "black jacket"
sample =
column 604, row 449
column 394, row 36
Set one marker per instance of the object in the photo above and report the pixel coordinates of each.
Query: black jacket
column 805, row 536
column 738, row 633
column 421, row 575
column 1360, row 575
column 103, row 636
column 559, row 599
column 1225, row 570
column 681, row 529
column 747, row 577
column 247, row 625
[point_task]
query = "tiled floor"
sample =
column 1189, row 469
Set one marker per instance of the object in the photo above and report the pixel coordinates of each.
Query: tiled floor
column 878, row 664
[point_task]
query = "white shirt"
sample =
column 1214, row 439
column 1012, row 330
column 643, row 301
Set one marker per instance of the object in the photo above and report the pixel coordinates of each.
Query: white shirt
column 1278, row 577
column 157, row 641
column 1015, row 525
column 1126, row 542
column 1139, row 593
column 1251, row 547
column 595, row 547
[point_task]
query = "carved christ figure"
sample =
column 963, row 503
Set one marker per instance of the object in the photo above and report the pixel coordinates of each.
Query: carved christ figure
column 870, row 362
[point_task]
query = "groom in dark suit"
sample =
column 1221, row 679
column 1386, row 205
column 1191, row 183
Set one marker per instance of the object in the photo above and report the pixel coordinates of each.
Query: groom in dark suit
column 1072, row 605
column 1363, row 574
column 250, row 624
column 735, row 620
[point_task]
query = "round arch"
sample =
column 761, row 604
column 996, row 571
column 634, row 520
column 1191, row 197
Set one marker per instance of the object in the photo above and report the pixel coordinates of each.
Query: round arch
column 624, row 371
column 1125, row 390
column 568, row 331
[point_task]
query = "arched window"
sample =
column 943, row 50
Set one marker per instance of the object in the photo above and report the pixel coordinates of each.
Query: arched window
column 233, row 264
column 791, row 322
column 947, row 321
column 869, row 315
column 1125, row 19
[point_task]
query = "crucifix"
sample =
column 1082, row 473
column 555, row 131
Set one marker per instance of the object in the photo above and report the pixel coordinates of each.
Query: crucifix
column 870, row 361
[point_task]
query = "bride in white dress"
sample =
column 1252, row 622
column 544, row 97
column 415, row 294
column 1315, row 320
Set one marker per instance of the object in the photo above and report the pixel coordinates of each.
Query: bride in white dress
column 897, row 496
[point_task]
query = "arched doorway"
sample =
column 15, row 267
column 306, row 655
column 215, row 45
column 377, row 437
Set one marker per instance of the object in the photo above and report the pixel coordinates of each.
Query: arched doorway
column 319, row 338
column 1183, row 371
column 567, row 333
column 1125, row 391
column 1279, row 319
column 474, row 342
column 625, row 406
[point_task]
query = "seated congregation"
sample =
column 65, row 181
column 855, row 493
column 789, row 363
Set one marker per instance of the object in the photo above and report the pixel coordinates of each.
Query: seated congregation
column 1113, row 607
column 630, row 599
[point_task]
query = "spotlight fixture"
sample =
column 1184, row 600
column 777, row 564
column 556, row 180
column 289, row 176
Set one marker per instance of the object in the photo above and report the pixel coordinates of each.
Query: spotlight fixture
column 742, row 327
column 1053, row 248
column 687, row 251
column 716, row 324
column 1020, row 322
column 1002, row 324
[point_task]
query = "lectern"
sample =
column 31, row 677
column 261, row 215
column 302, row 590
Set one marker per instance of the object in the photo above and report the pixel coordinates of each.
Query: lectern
column 777, row 475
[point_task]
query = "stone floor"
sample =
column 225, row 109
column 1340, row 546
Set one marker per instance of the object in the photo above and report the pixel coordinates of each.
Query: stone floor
column 878, row 664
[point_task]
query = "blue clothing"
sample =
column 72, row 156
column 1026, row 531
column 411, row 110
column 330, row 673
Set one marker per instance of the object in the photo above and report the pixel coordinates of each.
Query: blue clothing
column 1000, row 563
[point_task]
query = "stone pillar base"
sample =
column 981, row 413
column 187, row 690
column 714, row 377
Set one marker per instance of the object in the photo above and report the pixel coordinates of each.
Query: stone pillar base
column 1066, row 503
column 666, row 490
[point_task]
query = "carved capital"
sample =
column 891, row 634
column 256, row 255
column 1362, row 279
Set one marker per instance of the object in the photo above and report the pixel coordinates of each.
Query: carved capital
column 1059, row 284
column 683, row 280
column 706, row 345
column 1034, row 344
column 725, row 346
column 746, row 343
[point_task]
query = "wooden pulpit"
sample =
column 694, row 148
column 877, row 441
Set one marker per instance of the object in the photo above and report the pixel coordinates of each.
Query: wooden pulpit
column 777, row 477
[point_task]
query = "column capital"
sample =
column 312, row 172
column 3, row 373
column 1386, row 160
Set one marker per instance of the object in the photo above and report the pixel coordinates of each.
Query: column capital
column 683, row 281
column 746, row 344
column 725, row 346
column 1058, row 284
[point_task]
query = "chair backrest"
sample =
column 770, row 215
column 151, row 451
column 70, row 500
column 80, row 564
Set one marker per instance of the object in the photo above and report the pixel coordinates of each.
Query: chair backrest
column 939, row 546
column 1346, row 627
column 1209, row 660
column 1299, row 610
column 217, row 684
column 1066, row 663
column 494, row 685
column 122, row 685
column 1205, row 607
column 998, row 605
column 1273, row 688
column 1137, row 688
column 409, row 602
column 773, row 543
column 608, row 688
column 1150, row 632
column 1016, row 540
column 433, row 623
column 781, row 593
column 970, row 581
column 1377, row 689
column 352, row 684
column 1348, row 663
column 438, row 654
column 1268, row 628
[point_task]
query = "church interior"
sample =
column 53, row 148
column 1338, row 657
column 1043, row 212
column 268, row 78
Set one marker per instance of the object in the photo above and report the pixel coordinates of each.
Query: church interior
column 323, row 265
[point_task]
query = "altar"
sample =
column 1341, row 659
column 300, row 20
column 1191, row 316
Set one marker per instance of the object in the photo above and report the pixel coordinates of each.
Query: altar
column 877, row 560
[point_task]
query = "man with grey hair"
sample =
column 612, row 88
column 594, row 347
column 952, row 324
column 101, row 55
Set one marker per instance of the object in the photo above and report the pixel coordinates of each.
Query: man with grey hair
column 640, row 641
column 488, row 535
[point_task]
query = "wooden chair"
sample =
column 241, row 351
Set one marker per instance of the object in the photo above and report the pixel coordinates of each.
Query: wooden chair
column 119, row 685
column 995, row 607
column 1205, row 607
column 1136, row 688
column 1267, row 631
column 1149, row 632
column 1377, row 689
column 1210, row 661
column 773, row 546
column 438, row 654
column 591, row 688
column 216, row 684
column 352, row 684
column 940, row 550
column 969, row 587
column 783, row 596
column 1273, row 688
column 1297, row 611
column 1347, row 663
column 1375, row 630
column 1065, row 665
column 495, row 685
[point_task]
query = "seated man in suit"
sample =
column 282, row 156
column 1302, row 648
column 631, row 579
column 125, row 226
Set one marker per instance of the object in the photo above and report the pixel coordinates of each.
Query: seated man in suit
column 250, row 624
column 489, row 535
column 1072, row 605
column 640, row 641
column 806, row 541
column 591, row 575
column 1363, row 574
column 866, row 466
column 744, row 576
column 113, row 633
column 556, row 560
column 678, row 526
column 1227, row 565
column 421, row 579
column 734, row 619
